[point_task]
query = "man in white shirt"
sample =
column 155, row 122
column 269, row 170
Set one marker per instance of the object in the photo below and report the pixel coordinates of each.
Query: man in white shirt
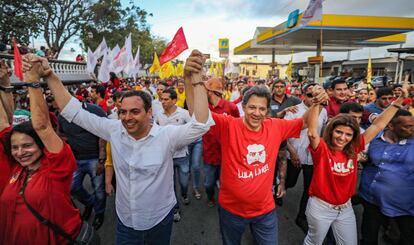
column 142, row 152
column 156, row 103
column 174, row 115
column 300, row 158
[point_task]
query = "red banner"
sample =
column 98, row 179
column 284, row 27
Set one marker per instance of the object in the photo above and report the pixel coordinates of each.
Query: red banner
column 18, row 64
column 175, row 47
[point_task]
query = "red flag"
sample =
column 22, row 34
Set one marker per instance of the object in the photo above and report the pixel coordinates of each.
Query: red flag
column 175, row 47
column 18, row 64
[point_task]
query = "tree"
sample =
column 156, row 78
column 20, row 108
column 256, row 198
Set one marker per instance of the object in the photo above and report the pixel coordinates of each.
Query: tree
column 110, row 20
column 62, row 20
column 20, row 19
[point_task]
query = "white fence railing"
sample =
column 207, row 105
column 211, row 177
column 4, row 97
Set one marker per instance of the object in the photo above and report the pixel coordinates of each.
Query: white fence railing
column 68, row 71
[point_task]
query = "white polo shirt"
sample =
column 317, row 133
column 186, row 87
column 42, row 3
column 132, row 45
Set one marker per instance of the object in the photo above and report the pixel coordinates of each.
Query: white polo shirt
column 179, row 117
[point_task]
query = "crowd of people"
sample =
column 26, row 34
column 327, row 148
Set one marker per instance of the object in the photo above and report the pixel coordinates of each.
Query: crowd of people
column 241, row 143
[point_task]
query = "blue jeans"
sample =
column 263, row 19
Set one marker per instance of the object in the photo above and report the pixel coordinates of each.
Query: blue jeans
column 211, row 175
column 98, row 198
column 182, row 171
column 196, row 157
column 157, row 235
column 264, row 228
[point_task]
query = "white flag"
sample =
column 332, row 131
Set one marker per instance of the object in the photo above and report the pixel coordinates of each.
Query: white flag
column 103, row 75
column 101, row 49
column 136, row 65
column 313, row 12
column 120, row 61
column 91, row 61
column 115, row 51
column 229, row 67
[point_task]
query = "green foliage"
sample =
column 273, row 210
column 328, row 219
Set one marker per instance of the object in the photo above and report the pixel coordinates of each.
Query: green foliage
column 19, row 19
column 63, row 20
column 108, row 19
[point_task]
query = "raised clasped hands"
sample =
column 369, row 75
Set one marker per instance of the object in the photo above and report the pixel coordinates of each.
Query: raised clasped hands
column 194, row 64
column 35, row 67
column 319, row 95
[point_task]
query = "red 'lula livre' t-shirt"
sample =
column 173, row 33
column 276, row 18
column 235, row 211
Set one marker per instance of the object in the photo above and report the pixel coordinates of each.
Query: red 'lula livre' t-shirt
column 248, row 162
column 334, row 174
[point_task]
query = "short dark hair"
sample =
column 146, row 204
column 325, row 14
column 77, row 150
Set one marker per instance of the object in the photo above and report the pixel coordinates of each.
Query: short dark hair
column 171, row 92
column 146, row 98
column 117, row 95
column 24, row 128
column 100, row 90
column 259, row 91
column 351, row 106
column 306, row 86
column 396, row 86
column 400, row 113
column 241, row 81
column 383, row 91
column 278, row 81
column 338, row 81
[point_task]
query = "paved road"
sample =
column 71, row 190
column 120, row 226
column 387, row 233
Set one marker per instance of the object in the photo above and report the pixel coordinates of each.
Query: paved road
column 199, row 224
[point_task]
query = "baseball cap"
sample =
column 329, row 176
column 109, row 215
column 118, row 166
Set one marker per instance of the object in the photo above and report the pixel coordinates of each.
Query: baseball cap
column 215, row 85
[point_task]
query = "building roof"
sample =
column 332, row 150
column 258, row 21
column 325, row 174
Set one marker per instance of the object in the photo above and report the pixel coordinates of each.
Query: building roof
column 339, row 33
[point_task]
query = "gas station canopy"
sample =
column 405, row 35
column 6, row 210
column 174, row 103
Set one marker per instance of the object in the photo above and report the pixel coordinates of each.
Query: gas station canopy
column 338, row 32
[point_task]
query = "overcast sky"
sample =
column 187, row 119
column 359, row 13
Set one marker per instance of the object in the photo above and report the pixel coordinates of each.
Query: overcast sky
column 205, row 21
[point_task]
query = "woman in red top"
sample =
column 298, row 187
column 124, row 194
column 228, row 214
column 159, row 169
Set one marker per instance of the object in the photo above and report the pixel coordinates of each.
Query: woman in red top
column 35, row 154
column 335, row 172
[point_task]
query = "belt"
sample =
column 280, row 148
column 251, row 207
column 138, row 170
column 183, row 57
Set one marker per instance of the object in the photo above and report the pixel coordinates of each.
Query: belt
column 335, row 207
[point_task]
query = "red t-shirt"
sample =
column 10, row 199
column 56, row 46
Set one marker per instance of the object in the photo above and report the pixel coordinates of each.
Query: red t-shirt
column 48, row 192
column 104, row 105
column 248, row 162
column 334, row 174
column 211, row 145
column 4, row 160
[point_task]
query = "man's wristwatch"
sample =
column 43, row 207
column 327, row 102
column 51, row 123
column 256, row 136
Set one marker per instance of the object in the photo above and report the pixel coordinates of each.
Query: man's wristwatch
column 33, row 85
column 7, row 89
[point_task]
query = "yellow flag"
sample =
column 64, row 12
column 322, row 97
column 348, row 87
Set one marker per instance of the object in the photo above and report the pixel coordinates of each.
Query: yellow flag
column 289, row 68
column 180, row 70
column 369, row 71
column 219, row 69
column 155, row 65
column 167, row 70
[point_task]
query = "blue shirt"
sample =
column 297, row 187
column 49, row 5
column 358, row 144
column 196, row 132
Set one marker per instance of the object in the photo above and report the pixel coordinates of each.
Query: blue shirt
column 388, row 181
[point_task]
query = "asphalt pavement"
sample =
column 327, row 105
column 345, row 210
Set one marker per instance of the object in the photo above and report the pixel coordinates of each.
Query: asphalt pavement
column 199, row 224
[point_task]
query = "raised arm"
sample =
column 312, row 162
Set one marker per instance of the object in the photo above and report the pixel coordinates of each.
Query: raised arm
column 6, row 92
column 40, row 113
column 193, row 66
column 70, row 108
column 320, row 97
column 386, row 116
column 4, row 121
column 196, row 93
column 62, row 96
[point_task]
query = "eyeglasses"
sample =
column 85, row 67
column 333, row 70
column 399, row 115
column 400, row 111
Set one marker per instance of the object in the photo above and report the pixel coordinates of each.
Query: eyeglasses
column 279, row 86
column 310, row 95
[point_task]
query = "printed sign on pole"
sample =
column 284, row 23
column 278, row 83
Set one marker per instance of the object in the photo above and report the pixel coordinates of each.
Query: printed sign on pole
column 224, row 47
